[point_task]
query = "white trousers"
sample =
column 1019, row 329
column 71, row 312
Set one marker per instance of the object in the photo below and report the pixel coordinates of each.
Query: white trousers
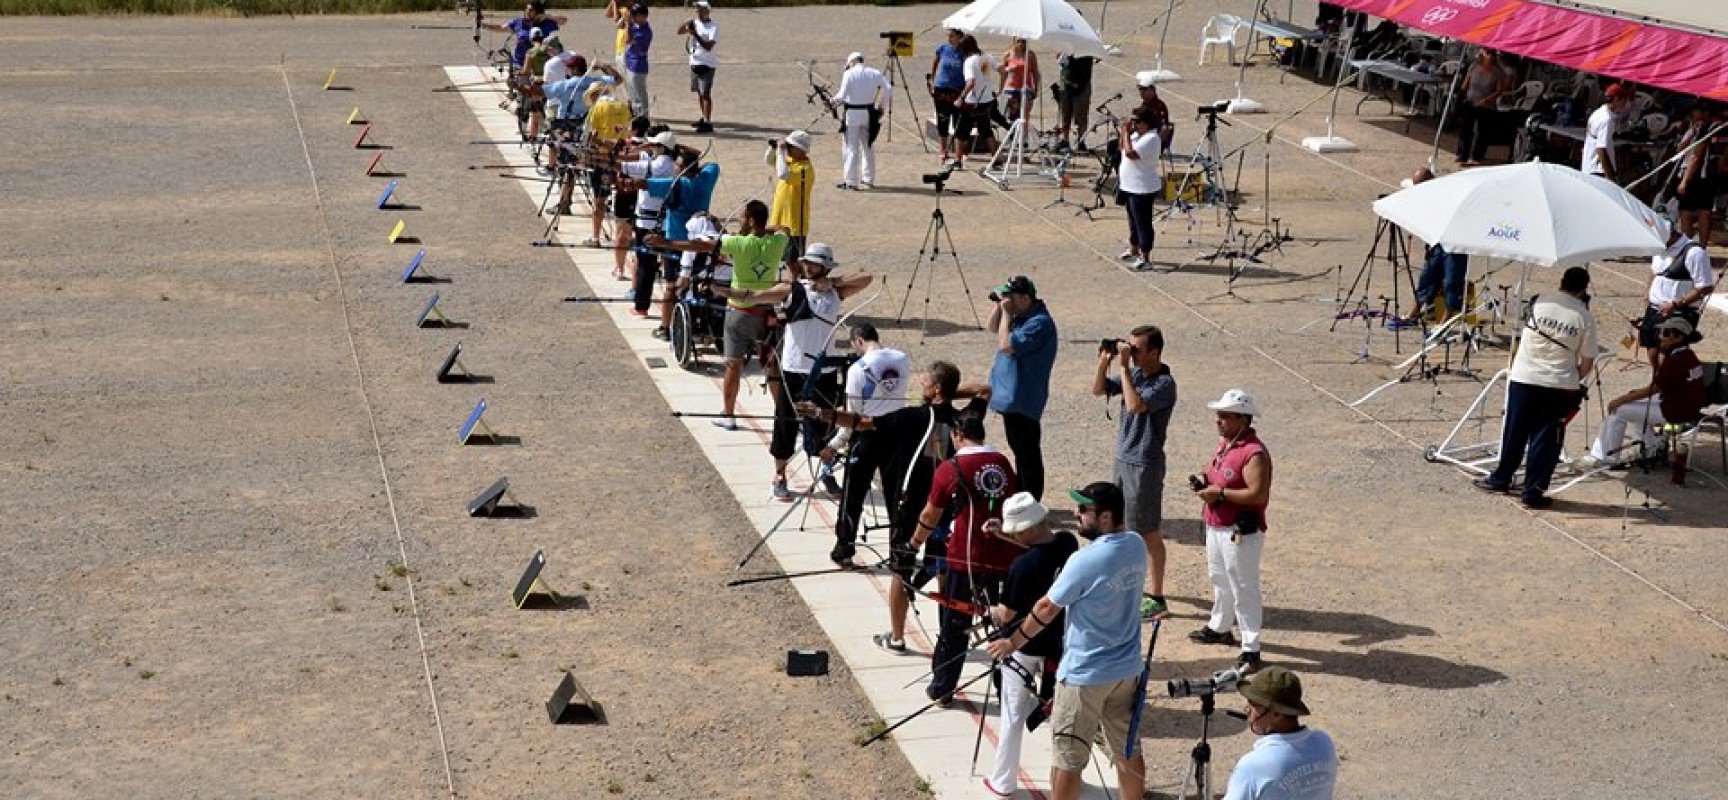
column 1017, row 705
column 860, row 157
column 1643, row 416
column 1235, row 571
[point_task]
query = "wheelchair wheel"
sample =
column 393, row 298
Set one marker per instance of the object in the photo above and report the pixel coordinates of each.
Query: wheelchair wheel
column 679, row 336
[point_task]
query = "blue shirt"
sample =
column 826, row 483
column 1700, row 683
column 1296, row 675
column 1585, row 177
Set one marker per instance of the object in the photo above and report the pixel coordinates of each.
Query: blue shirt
column 1140, row 438
column 522, row 28
column 694, row 192
column 950, row 67
column 1020, row 381
column 1099, row 590
column 636, row 52
column 568, row 93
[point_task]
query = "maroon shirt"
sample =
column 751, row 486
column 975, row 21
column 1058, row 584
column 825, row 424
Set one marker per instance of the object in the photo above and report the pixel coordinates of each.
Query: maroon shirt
column 1226, row 471
column 975, row 492
column 1680, row 380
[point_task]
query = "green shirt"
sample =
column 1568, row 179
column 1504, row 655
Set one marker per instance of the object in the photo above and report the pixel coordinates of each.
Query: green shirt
column 755, row 262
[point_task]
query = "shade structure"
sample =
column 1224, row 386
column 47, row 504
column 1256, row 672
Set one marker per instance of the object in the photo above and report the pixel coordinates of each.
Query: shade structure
column 1535, row 213
column 1051, row 23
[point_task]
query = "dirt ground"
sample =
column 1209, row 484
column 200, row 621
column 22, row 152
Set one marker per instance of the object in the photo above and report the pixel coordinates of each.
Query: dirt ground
column 238, row 562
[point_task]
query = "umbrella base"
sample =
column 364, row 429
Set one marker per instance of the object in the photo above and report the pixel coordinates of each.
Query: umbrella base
column 1243, row 105
column 1329, row 144
column 1159, row 76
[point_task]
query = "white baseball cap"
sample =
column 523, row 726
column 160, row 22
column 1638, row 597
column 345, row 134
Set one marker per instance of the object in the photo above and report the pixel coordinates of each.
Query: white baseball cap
column 855, row 57
column 1235, row 401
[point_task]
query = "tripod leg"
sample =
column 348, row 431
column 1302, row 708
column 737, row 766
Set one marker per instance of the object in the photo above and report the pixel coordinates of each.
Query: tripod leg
column 917, row 264
column 942, row 223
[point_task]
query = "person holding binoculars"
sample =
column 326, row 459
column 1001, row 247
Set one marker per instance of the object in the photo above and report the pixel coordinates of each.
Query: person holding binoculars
column 1148, row 393
column 1235, row 488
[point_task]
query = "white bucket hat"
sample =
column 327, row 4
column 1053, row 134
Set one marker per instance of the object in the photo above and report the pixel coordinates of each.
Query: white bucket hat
column 819, row 253
column 799, row 139
column 1021, row 512
column 1235, row 401
column 666, row 139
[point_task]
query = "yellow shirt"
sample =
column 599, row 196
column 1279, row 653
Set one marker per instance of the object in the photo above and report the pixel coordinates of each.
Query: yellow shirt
column 792, row 199
column 620, row 42
column 609, row 120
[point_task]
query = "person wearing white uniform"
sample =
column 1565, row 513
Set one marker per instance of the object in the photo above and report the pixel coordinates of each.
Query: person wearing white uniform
column 704, row 34
column 1599, row 159
column 864, row 94
column 1683, row 280
column 875, row 386
column 1289, row 761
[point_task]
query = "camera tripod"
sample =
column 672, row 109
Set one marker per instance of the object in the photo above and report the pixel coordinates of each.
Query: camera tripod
column 1210, row 158
column 1199, row 773
column 895, row 68
column 1397, row 255
column 1107, row 163
column 934, row 236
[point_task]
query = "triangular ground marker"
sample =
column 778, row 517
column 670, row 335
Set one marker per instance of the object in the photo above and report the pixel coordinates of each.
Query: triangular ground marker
column 360, row 141
column 430, row 311
column 354, row 117
column 372, row 168
column 396, row 232
column 447, row 371
column 475, row 423
column 571, row 704
column 530, row 581
column 384, row 199
column 488, row 502
column 331, row 79
column 413, row 266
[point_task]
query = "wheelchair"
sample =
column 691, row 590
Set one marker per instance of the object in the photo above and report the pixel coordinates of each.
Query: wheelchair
column 699, row 316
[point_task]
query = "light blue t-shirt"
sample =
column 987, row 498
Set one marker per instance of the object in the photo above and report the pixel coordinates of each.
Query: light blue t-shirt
column 694, row 193
column 1100, row 590
column 1286, row 766
column 568, row 93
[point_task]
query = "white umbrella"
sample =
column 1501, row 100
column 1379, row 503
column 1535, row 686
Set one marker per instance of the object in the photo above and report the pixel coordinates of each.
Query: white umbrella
column 1536, row 213
column 1051, row 23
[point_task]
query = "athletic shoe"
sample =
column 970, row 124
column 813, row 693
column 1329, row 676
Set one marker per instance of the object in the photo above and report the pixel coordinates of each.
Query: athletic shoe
column 1248, row 663
column 661, row 333
column 592, row 242
column 942, row 701
column 1487, row 484
column 1538, row 502
column 832, row 487
column 778, row 487
column 845, row 187
column 886, row 641
column 1209, row 636
column 1140, row 264
column 842, row 555
column 543, row 171
column 725, row 423
column 637, row 312
column 1403, row 323
column 866, row 186
column 1153, row 606
column 1128, row 255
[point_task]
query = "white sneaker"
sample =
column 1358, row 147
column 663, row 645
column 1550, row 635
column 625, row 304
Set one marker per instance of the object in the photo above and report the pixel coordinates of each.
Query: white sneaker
column 725, row 423
column 1140, row 264
column 1128, row 255
column 866, row 186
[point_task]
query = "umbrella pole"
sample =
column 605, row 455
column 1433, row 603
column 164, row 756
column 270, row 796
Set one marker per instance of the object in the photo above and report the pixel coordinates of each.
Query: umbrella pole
column 1243, row 105
column 1446, row 111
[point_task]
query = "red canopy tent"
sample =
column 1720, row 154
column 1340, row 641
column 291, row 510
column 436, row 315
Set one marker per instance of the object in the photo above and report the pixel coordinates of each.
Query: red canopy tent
column 1689, row 61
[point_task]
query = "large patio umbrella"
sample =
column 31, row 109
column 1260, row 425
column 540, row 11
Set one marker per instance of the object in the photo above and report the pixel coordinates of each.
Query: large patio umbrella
column 1051, row 23
column 1533, row 212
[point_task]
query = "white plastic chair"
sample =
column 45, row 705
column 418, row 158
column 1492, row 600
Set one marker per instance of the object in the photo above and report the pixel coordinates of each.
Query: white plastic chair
column 1522, row 98
column 1429, row 96
column 1654, row 123
column 1221, row 29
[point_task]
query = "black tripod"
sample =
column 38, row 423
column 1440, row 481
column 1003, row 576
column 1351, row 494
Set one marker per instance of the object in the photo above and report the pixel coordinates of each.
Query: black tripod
column 1397, row 255
column 932, row 245
column 895, row 68
column 1200, row 758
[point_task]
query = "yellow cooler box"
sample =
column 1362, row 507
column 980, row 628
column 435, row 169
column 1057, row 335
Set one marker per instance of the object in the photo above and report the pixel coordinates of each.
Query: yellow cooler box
column 1189, row 183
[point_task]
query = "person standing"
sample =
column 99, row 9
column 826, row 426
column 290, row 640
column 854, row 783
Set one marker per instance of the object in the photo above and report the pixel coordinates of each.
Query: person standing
column 1020, row 79
column 1556, row 350
column 656, row 161
column 533, row 17
column 1289, row 761
column 875, row 387
column 639, row 37
column 1147, row 84
column 1238, row 485
column 704, row 34
column 1029, row 578
column 946, row 79
column 968, row 488
column 977, row 98
column 1098, row 680
column 1483, row 85
column 1026, row 344
column 795, row 180
column 1074, row 99
column 1682, row 280
column 1148, row 393
column 1698, row 179
column 1599, row 158
column 863, row 95
column 1140, row 184
column 1676, row 394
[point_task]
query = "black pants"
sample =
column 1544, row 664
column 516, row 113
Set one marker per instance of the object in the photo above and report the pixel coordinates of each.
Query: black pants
column 867, row 458
column 647, row 268
column 786, row 421
column 1026, row 441
column 1535, row 426
column 949, row 657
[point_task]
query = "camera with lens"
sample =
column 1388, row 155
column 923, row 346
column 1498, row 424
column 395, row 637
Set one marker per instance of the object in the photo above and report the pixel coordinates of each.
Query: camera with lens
column 1196, row 483
column 773, row 142
column 939, row 178
column 1221, row 681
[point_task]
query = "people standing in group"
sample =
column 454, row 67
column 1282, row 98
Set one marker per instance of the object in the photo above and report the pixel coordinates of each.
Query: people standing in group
column 638, row 36
column 946, row 80
column 1034, row 571
column 1675, row 394
column 1698, row 178
column 875, row 386
column 1026, row 344
column 1148, row 393
column 1599, row 158
column 1556, row 350
column 917, row 439
column 1073, row 100
column 704, row 35
column 795, row 183
column 1140, row 184
column 968, row 488
column 1020, row 80
column 977, row 98
column 864, row 95
column 1098, row 678
column 1235, row 487
column 1289, row 761
column 1682, row 279
column 1483, row 85
column 533, row 17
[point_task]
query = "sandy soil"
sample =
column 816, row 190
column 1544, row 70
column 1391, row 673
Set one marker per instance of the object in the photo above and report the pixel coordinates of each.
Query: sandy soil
column 239, row 565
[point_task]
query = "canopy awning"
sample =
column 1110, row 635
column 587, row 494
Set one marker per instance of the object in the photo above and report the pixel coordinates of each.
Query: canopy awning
column 1640, row 51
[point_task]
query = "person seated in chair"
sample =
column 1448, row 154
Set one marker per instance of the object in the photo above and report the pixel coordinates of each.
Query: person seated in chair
column 1676, row 394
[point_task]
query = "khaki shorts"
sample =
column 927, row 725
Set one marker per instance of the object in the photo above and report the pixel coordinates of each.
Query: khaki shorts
column 1081, row 710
